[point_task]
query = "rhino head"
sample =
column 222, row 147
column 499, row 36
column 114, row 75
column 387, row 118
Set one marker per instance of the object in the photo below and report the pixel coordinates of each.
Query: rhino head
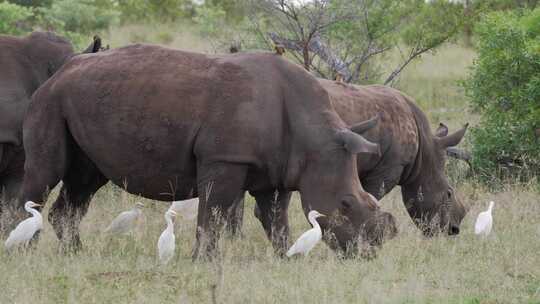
column 334, row 189
column 430, row 200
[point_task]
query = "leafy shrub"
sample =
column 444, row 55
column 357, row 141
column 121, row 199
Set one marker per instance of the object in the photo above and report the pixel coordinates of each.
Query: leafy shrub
column 13, row 17
column 83, row 17
column 504, row 87
column 211, row 19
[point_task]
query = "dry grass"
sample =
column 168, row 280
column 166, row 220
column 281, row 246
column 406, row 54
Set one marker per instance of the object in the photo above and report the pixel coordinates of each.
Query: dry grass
column 410, row 269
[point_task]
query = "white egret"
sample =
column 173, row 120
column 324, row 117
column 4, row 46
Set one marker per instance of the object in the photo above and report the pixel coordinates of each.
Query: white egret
column 26, row 229
column 308, row 239
column 484, row 221
column 166, row 242
column 125, row 221
column 188, row 209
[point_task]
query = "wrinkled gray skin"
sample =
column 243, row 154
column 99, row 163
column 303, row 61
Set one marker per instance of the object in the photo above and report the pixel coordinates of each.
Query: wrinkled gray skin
column 160, row 122
column 25, row 63
column 411, row 157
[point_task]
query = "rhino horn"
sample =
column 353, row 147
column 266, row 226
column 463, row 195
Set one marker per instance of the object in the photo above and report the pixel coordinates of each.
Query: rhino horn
column 356, row 143
column 365, row 126
column 442, row 130
column 454, row 138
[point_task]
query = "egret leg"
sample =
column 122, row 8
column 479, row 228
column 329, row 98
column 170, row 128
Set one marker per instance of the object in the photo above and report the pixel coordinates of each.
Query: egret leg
column 81, row 182
column 220, row 186
column 272, row 211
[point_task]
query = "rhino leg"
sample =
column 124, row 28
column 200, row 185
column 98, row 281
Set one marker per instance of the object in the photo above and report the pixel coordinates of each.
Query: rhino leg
column 272, row 211
column 220, row 186
column 82, row 180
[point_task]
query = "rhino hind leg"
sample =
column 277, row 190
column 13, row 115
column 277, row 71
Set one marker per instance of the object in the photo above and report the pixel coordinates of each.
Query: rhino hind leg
column 220, row 186
column 81, row 182
column 272, row 211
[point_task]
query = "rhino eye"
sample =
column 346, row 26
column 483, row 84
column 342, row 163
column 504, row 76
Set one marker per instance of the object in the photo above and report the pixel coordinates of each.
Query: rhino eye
column 449, row 194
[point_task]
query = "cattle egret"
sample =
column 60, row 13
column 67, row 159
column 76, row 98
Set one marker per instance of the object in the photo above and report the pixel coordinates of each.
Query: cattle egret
column 484, row 221
column 188, row 209
column 125, row 221
column 308, row 239
column 166, row 242
column 26, row 229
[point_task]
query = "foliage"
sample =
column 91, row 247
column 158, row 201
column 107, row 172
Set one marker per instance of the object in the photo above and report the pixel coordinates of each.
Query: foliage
column 155, row 10
column 349, row 37
column 83, row 17
column 211, row 19
column 504, row 86
column 32, row 3
column 12, row 17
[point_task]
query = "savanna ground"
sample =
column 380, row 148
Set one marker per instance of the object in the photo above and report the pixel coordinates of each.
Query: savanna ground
column 505, row 268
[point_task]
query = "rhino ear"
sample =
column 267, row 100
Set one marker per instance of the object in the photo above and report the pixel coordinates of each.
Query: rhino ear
column 442, row 130
column 356, row 143
column 454, row 138
column 365, row 126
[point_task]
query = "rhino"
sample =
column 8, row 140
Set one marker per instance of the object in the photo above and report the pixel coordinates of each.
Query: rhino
column 26, row 64
column 159, row 122
column 411, row 157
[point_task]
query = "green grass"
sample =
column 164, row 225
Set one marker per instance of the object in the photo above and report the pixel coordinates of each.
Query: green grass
column 505, row 268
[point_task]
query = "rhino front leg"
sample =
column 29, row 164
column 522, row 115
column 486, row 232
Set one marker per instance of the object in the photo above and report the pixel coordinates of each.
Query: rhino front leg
column 220, row 186
column 272, row 211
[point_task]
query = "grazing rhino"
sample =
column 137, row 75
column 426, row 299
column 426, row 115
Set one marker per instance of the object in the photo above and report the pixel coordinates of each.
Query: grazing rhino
column 159, row 122
column 411, row 156
column 25, row 63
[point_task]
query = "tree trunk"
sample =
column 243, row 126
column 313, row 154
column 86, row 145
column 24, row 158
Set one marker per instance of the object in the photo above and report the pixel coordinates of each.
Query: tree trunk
column 305, row 55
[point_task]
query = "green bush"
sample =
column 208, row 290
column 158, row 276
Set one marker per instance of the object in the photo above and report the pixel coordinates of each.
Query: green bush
column 84, row 17
column 13, row 18
column 504, row 87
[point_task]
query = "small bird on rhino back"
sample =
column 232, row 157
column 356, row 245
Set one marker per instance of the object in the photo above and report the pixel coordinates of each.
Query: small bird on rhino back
column 484, row 221
column 125, row 221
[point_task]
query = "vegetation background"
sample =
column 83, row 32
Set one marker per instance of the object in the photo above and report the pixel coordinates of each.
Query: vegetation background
column 463, row 61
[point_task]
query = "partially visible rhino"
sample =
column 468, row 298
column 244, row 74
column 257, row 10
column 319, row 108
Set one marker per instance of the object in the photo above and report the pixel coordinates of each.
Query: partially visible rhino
column 411, row 157
column 25, row 64
column 160, row 122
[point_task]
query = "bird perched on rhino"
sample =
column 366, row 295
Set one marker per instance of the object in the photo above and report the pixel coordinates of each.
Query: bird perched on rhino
column 308, row 239
column 125, row 221
column 24, row 232
column 280, row 49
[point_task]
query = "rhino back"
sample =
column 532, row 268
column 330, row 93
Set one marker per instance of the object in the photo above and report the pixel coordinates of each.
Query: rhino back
column 396, row 131
column 163, row 108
